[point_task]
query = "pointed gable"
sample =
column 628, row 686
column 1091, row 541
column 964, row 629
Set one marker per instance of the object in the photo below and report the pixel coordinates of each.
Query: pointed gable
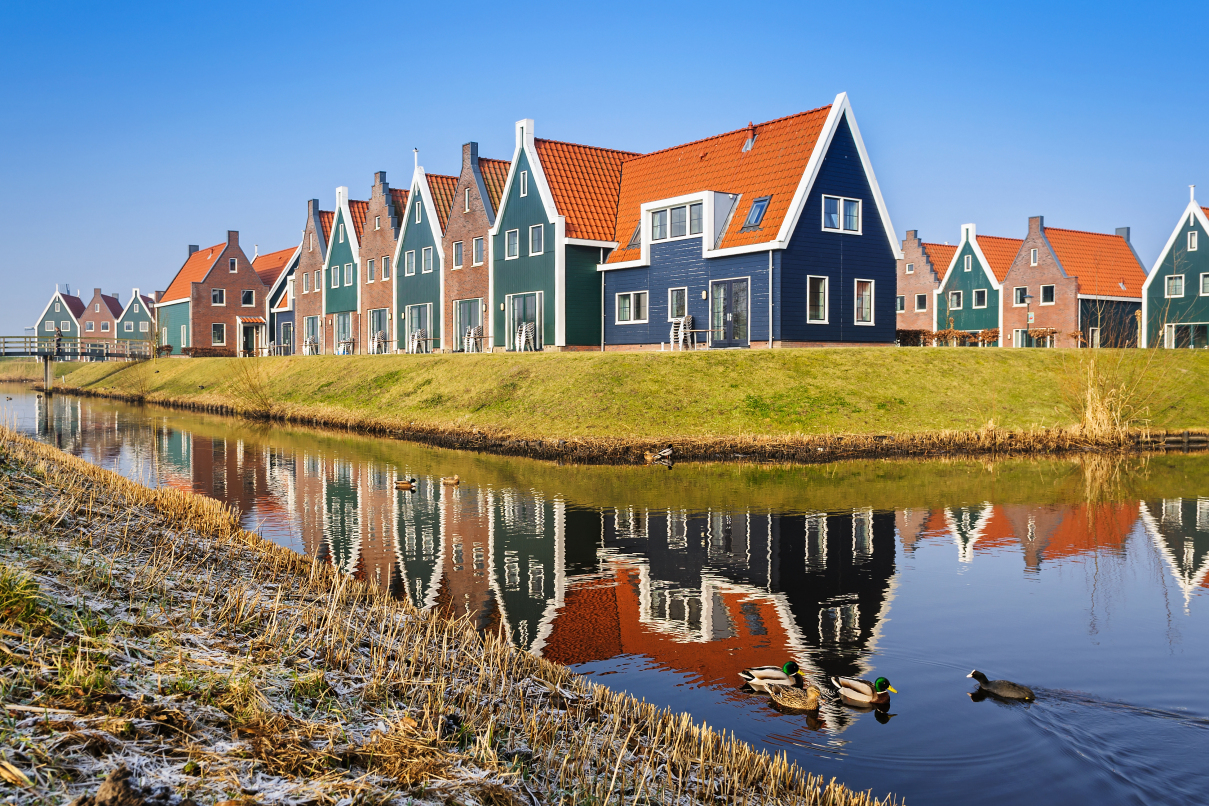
column 1000, row 252
column 584, row 181
column 194, row 271
column 270, row 265
column 1104, row 264
column 442, row 189
column 495, row 176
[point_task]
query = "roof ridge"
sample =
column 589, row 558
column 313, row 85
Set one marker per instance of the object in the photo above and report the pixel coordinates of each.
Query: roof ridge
column 978, row 235
column 1084, row 232
column 583, row 145
column 736, row 131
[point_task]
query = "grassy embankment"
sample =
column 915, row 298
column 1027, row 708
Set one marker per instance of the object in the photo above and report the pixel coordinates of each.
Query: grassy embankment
column 146, row 633
column 29, row 370
column 931, row 398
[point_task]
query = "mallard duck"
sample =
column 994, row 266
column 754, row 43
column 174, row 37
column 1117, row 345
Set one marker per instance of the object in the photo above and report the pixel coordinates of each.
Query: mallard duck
column 857, row 690
column 405, row 484
column 761, row 677
column 1003, row 688
column 795, row 699
column 452, row 481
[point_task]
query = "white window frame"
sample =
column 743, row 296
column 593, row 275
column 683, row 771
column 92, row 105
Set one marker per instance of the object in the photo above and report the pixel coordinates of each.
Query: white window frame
column 385, row 267
column 222, row 294
column 670, row 291
column 1041, row 292
column 1204, row 284
column 243, row 304
column 1167, row 286
column 348, row 274
column 466, row 207
column 538, row 228
column 1192, row 240
column 89, row 327
column 96, row 308
column 409, row 263
column 64, row 325
column 49, row 326
column 1023, row 288
column 128, row 327
column 104, row 327
column 306, row 282
column 872, row 302
column 524, row 183
column 631, row 295
column 663, row 216
column 419, row 216
column 341, row 230
column 918, row 297
column 335, row 272
column 377, row 222
column 826, row 299
column 860, row 215
column 458, row 257
column 909, row 268
column 1093, row 337
column 478, row 252
column 218, row 327
column 900, row 303
column 426, row 260
column 144, row 327
column 233, row 266
column 513, row 246
column 985, row 297
column 318, row 281
column 184, row 336
column 311, row 244
column 1032, row 257
column 949, row 295
column 135, row 307
column 967, row 263
column 369, row 270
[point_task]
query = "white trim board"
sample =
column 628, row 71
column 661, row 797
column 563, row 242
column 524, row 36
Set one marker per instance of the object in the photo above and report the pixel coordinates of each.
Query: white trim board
column 1193, row 208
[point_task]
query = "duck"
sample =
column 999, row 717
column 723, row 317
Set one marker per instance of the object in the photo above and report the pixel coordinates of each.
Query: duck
column 405, row 484
column 761, row 677
column 452, row 481
column 796, row 699
column 663, row 457
column 862, row 691
column 1004, row 689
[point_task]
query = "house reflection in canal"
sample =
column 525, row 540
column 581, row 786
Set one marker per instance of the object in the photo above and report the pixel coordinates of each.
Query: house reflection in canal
column 1179, row 528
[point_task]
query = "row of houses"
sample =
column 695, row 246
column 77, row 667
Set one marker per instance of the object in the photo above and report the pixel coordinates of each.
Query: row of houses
column 772, row 235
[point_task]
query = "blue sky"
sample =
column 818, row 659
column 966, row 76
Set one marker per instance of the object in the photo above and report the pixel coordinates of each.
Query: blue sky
column 132, row 130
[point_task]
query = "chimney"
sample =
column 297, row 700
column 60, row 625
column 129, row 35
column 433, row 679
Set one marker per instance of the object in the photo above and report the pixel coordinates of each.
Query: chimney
column 1123, row 232
column 470, row 154
column 379, row 182
column 116, row 295
column 96, row 292
column 193, row 248
column 1036, row 224
column 232, row 237
column 912, row 234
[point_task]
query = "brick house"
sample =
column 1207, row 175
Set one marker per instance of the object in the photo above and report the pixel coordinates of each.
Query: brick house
column 383, row 220
column 920, row 270
column 211, row 291
column 308, row 284
column 467, row 272
column 98, row 322
column 1072, row 287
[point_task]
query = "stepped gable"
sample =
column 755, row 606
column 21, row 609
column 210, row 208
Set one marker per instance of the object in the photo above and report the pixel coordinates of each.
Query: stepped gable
column 270, row 265
column 194, row 271
column 773, row 166
column 940, row 255
column 442, row 189
column 584, row 181
column 495, row 176
column 1104, row 264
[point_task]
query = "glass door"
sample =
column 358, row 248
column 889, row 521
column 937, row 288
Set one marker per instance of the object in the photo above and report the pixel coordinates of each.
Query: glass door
column 467, row 313
column 524, row 312
column 249, row 340
column 729, row 314
column 379, row 330
column 287, row 337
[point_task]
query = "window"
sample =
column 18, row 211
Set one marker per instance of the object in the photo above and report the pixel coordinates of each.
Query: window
column 1032, row 257
column 679, row 221
column 1192, row 241
column 56, row 307
column 864, row 302
column 980, row 297
column 954, row 300
column 164, row 336
column 909, row 268
column 90, row 326
column 218, row 296
column 386, row 267
column 144, row 327
column 677, row 303
column 377, row 222
column 477, row 252
column 1018, row 295
column 247, row 299
column 348, row 273
column 636, row 238
column 816, row 300
column 1205, row 285
column 218, row 334
column 369, row 270
column 658, row 225
column 104, row 327
column 96, row 308
column 466, row 207
column 524, row 183
column 184, row 336
column 335, row 272
column 426, row 257
column 631, row 308
column 135, row 307
column 233, row 265
column 65, row 325
column 318, row 279
column 900, row 304
column 418, row 221
column 969, row 263
column 921, row 302
column 50, row 325
column 756, row 214
column 129, row 326
column 457, row 254
column 1175, row 285
column 842, row 215
column 1047, row 295
column 409, row 263
column 341, row 230
column 310, row 246
column 535, row 239
column 512, row 247
column 696, row 222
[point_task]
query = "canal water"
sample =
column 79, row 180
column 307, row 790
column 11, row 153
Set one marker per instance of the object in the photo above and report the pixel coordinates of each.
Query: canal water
column 1086, row 579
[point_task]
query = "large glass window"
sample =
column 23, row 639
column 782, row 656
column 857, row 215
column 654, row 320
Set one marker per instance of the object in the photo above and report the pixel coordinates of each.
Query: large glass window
column 816, row 299
column 658, row 225
column 679, row 221
column 864, row 302
column 631, row 307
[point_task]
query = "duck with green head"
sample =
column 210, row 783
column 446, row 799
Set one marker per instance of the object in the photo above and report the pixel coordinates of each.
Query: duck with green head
column 862, row 691
column 761, row 677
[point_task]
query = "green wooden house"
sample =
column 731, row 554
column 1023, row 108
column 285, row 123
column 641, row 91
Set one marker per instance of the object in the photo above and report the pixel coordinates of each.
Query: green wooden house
column 137, row 320
column 341, row 275
column 1175, row 297
column 555, row 225
column 420, row 262
column 62, row 312
column 969, row 296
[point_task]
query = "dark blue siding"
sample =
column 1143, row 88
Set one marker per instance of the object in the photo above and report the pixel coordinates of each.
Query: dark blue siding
column 280, row 319
column 842, row 258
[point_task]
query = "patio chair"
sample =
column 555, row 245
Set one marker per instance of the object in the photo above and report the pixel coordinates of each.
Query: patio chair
column 526, row 337
column 417, row 342
column 682, row 332
column 472, row 341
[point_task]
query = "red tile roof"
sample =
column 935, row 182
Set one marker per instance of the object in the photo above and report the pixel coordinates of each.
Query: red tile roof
column 1000, row 252
column 442, row 189
column 399, row 199
column 584, row 181
column 1205, row 210
column 1104, row 264
column 270, row 265
column 194, row 271
column 358, row 210
column 941, row 255
column 774, row 167
column 495, row 176
column 74, row 304
column 326, row 217
column 115, row 307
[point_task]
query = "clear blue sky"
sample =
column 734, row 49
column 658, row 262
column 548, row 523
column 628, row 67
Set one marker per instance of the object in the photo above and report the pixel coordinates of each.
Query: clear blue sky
column 132, row 130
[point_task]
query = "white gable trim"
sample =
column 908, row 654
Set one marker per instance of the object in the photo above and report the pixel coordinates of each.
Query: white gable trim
column 1193, row 208
column 58, row 295
column 419, row 184
column 969, row 234
column 291, row 267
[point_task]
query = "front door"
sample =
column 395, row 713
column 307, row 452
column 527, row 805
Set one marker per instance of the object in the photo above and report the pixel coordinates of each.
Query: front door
column 249, row 339
column 287, row 337
column 379, row 323
column 728, row 314
column 524, row 312
column 467, row 313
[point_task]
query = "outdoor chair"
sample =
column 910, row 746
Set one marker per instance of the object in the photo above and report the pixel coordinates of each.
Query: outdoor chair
column 417, row 342
column 682, row 332
column 526, row 337
column 472, row 341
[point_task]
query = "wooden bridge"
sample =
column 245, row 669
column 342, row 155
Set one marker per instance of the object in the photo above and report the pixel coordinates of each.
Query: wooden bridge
column 49, row 349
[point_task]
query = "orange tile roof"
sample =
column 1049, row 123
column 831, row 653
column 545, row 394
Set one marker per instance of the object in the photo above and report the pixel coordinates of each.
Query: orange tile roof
column 399, row 199
column 358, row 210
column 584, row 181
column 1205, row 210
column 326, row 217
column 1102, row 262
column 941, row 255
column 773, row 167
column 270, row 265
column 495, row 176
column 1000, row 252
column 194, row 271
column 442, row 189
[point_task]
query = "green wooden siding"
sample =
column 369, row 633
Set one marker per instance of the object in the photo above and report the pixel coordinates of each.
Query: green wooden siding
column 1192, row 307
column 343, row 298
column 968, row 318
column 143, row 315
column 583, row 294
column 342, row 517
column 419, row 288
column 526, row 273
column 64, row 315
column 173, row 317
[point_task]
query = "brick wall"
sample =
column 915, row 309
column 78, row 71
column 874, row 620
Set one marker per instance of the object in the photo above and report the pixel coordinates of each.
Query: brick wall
column 924, row 279
column 1063, row 314
column 381, row 230
column 464, row 225
column 314, row 250
column 97, row 318
column 203, row 313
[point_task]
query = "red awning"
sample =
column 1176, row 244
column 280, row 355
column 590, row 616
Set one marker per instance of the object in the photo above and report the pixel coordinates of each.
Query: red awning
column 252, row 320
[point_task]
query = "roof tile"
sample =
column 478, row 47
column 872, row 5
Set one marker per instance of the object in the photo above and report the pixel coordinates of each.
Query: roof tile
column 270, row 265
column 584, row 181
column 326, row 217
column 442, row 188
column 75, row 304
column 1104, row 264
column 1000, row 252
column 194, row 271
column 358, row 210
column 495, row 176
column 399, row 200
column 941, row 255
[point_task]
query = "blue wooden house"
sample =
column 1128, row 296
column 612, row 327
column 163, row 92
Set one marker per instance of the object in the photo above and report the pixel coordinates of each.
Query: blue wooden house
column 1175, row 296
column 277, row 270
column 771, row 235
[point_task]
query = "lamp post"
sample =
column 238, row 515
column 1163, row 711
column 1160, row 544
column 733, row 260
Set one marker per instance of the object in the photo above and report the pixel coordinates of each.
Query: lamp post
column 1028, row 318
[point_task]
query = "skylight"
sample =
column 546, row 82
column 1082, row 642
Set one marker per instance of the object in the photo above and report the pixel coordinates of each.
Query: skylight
column 756, row 214
column 636, row 240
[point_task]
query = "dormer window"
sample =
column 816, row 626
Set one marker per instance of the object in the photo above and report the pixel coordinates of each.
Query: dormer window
column 658, row 225
column 695, row 218
column 233, row 264
column 685, row 220
column 679, row 222
column 756, row 214
column 636, row 238
column 842, row 215
column 524, row 183
column 377, row 222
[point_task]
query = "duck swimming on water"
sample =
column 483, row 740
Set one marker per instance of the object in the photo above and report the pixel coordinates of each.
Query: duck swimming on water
column 1004, row 689
column 862, row 691
column 452, row 481
column 761, row 678
column 405, row 484
column 795, row 699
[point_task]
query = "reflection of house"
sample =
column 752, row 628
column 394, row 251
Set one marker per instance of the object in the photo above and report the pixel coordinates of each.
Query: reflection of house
column 1179, row 528
column 465, row 586
column 378, row 552
column 419, row 541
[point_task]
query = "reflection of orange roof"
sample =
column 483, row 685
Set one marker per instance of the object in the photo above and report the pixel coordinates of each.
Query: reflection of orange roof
column 194, row 271
column 997, row 532
column 442, row 189
column 270, row 265
column 495, row 175
column 357, row 210
column 941, row 255
column 1000, row 252
column 399, row 198
column 773, row 166
column 584, row 182
column 1102, row 262
column 326, row 217
column 1087, row 528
